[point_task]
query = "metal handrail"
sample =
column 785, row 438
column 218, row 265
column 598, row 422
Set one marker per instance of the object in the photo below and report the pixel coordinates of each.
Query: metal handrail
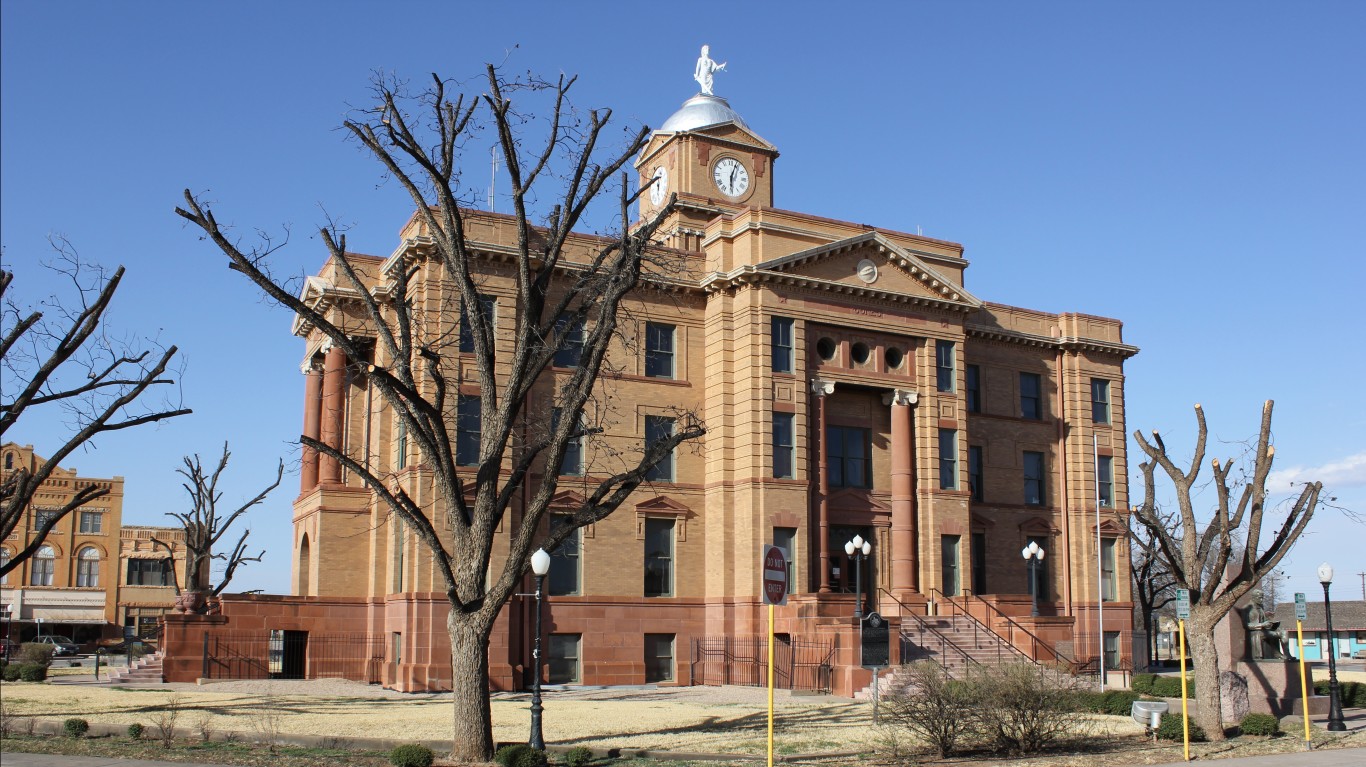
column 944, row 642
column 1035, row 642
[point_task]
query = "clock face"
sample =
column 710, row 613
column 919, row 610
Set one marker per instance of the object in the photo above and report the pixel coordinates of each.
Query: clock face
column 659, row 186
column 730, row 177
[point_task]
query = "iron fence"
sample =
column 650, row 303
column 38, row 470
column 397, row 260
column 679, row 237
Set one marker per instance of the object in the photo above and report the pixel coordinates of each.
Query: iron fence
column 798, row 663
column 292, row 655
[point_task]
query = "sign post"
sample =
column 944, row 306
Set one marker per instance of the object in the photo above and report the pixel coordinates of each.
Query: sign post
column 1183, row 612
column 773, row 567
column 1301, row 613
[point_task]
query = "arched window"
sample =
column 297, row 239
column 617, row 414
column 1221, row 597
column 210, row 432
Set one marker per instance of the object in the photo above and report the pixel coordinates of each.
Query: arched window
column 44, row 562
column 88, row 568
column 9, row 460
column 304, row 564
column 4, row 560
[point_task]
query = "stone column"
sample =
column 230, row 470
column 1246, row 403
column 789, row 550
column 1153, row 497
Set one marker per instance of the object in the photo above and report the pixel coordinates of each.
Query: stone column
column 903, row 502
column 313, row 404
column 822, row 388
column 333, row 406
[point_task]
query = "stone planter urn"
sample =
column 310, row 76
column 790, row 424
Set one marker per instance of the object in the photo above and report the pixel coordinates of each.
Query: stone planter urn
column 191, row 602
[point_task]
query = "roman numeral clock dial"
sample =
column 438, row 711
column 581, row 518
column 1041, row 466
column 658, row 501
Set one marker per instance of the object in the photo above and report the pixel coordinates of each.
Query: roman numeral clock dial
column 730, row 177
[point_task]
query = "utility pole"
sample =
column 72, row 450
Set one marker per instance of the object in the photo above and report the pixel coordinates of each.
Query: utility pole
column 1363, row 586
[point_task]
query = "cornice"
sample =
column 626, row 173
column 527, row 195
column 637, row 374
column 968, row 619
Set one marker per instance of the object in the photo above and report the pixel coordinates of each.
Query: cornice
column 1065, row 343
column 749, row 275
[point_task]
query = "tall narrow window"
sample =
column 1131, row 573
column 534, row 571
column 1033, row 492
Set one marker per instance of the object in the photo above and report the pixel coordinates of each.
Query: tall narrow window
column 570, row 351
column 1031, row 403
column 467, row 329
column 1100, row 400
column 944, row 360
column 562, row 659
column 974, row 393
column 784, row 446
column 41, row 517
column 571, row 465
column 1033, row 478
column 4, row 560
column 468, row 428
column 975, row 481
column 401, row 445
column 42, row 566
column 1105, row 481
column 92, row 522
column 847, row 451
column 979, row 563
column 785, row 538
column 659, row 350
column 948, row 459
column 659, row 658
column 657, row 429
column 1109, row 583
column 1112, row 649
column 1039, row 585
column 659, row 557
column 782, row 345
column 396, row 646
column 88, row 568
column 948, row 547
column 565, row 562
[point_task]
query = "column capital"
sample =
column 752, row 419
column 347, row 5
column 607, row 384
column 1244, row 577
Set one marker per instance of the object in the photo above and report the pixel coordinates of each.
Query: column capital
column 905, row 397
column 310, row 365
column 821, row 387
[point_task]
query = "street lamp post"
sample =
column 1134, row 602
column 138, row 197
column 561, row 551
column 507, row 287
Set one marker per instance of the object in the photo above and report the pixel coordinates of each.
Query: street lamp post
column 540, row 565
column 1335, row 723
column 1033, row 554
column 858, row 550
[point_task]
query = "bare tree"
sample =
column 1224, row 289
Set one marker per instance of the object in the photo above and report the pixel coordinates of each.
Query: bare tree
column 563, row 283
column 58, row 354
column 204, row 527
column 1154, row 584
column 1210, row 562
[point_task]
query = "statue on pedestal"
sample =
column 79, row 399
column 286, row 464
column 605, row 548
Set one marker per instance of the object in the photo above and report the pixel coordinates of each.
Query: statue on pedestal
column 1266, row 641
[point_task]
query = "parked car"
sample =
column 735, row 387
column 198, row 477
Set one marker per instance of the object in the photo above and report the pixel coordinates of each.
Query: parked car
column 62, row 645
column 1359, row 655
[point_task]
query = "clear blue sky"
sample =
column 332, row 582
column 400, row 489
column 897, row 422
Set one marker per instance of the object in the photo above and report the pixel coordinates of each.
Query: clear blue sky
column 1195, row 169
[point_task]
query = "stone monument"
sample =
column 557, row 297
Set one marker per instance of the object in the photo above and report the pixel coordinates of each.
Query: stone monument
column 1252, row 646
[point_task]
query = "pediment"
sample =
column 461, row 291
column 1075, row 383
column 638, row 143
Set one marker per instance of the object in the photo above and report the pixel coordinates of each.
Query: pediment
column 566, row 500
column 1110, row 529
column 1039, row 526
column 844, row 265
column 735, row 133
column 857, row 500
column 662, row 506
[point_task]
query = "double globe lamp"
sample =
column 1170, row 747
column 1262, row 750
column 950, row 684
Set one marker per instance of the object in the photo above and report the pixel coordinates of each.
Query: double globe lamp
column 857, row 550
column 1033, row 554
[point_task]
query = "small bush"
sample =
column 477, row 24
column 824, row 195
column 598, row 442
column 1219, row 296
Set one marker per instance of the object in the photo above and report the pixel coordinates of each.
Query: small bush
column 1143, row 683
column 135, row 731
column 411, row 755
column 1170, row 729
column 1260, row 724
column 578, row 756
column 1170, row 687
column 75, row 728
column 10, row 672
column 519, row 755
column 32, row 672
column 32, row 652
column 1025, row 708
column 934, row 707
column 1350, row 694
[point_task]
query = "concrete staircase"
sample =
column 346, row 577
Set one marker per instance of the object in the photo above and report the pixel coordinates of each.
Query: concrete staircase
column 953, row 641
column 145, row 671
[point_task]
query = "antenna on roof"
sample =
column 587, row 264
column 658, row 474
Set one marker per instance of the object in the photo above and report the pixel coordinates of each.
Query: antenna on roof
column 493, row 177
column 917, row 231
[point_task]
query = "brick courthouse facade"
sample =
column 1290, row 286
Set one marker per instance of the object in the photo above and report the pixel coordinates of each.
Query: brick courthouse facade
column 850, row 384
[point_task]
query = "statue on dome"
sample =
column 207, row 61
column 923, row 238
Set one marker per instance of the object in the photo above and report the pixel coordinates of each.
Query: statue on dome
column 703, row 72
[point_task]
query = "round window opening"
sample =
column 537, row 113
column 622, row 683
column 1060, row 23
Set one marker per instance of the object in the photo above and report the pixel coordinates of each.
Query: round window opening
column 826, row 349
column 894, row 359
column 859, row 353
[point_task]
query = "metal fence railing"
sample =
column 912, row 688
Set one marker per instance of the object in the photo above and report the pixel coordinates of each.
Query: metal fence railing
column 292, row 655
column 798, row 663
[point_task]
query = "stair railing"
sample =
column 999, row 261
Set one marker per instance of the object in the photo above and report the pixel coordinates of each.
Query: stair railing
column 1039, row 650
column 922, row 627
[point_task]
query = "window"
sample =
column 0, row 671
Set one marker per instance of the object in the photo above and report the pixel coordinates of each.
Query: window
column 784, row 446
column 396, row 645
column 1100, row 400
column 1105, row 481
column 948, row 547
column 659, row 658
column 659, row 350
column 41, row 518
column 4, row 560
column 659, row 557
column 401, row 445
column 948, row 459
column 975, row 483
column 974, row 374
column 1109, row 584
column 1039, row 585
column 1031, row 406
column 571, row 464
column 564, row 576
column 562, row 659
column 657, row 429
column 944, row 354
column 782, row 345
column 785, row 538
column 148, row 572
column 467, row 330
column 468, row 426
column 1033, row 478
column 979, row 563
column 570, row 351
column 42, row 567
column 847, row 451
column 92, row 522
column 9, row 461
column 88, row 568
column 1112, row 649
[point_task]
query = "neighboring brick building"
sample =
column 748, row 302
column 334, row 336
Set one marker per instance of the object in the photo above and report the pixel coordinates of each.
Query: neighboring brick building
column 957, row 431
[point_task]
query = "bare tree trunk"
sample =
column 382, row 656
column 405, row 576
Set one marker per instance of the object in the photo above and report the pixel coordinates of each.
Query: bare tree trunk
column 472, row 734
column 1207, row 705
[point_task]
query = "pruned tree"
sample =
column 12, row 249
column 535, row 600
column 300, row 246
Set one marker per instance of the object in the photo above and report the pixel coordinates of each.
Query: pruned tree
column 204, row 527
column 1223, row 560
column 562, row 284
column 58, row 354
column 1154, row 584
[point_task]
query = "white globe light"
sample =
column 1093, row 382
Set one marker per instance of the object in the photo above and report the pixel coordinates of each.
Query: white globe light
column 540, row 562
column 849, row 548
column 1033, row 547
column 858, row 541
column 1025, row 552
column 1041, row 554
column 1325, row 573
column 867, row 547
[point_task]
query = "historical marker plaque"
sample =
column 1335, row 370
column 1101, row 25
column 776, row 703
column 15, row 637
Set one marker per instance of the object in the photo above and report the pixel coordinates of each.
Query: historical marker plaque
column 876, row 641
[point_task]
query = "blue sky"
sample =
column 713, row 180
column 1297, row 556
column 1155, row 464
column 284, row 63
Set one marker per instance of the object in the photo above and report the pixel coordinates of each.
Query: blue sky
column 1195, row 170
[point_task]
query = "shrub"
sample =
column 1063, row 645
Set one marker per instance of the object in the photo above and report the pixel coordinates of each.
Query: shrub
column 519, row 755
column 135, row 731
column 1025, row 708
column 935, row 708
column 32, row 652
column 1170, row 729
column 75, row 728
column 32, row 672
column 1260, row 724
column 578, row 756
column 1170, row 687
column 411, row 755
column 10, row 672
column 1143, row 683
column 1350, row 694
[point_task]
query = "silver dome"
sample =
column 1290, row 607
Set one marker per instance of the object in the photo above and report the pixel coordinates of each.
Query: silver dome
column 701, row 111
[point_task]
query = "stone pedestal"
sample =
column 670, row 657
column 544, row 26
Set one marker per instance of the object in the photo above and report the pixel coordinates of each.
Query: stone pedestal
column 1273, row 686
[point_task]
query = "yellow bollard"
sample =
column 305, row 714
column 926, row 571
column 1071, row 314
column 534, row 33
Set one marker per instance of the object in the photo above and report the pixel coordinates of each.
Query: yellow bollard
column 1185, row 714
column 770, row 685
column 1305, row 692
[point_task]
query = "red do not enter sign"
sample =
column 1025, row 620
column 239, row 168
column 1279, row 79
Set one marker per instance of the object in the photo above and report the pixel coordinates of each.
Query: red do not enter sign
column 774, row 568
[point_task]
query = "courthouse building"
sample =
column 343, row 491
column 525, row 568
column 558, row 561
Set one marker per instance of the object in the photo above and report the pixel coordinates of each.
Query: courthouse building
column 851, row 384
